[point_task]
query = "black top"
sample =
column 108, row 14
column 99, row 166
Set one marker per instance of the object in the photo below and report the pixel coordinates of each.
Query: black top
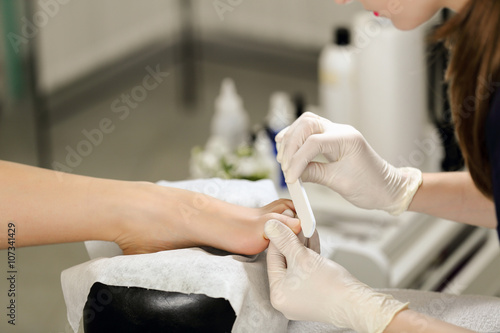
column 493, row 145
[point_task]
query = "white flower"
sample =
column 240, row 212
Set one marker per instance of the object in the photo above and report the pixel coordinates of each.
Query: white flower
column 217, row 160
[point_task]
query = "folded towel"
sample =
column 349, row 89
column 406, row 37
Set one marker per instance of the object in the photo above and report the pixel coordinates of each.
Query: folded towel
column 240, row 192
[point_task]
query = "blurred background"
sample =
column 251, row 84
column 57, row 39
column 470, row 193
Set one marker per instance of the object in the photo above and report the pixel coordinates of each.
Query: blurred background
column 133, row 90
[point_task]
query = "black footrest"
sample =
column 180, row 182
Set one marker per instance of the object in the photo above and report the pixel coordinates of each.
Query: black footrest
column 138, row 310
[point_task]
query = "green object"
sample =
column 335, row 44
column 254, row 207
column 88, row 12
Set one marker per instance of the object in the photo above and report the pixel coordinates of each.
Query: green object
column 14, row 70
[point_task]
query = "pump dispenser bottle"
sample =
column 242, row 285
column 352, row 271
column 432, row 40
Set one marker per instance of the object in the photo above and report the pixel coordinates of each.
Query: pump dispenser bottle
column 230, row 121
column 336, row 79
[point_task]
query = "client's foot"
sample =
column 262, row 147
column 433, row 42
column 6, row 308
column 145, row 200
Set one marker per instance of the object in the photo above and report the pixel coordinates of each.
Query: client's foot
column 167, row 218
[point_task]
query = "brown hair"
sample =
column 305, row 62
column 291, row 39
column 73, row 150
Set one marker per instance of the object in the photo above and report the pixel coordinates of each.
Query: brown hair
column 473, row 36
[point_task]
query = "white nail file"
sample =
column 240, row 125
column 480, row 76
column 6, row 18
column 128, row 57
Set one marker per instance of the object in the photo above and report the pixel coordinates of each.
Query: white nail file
column 302, row 207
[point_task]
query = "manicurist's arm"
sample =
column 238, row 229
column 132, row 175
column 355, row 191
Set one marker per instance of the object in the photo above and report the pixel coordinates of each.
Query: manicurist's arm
column 410, row 321
column 48, row 207
column 454, row 196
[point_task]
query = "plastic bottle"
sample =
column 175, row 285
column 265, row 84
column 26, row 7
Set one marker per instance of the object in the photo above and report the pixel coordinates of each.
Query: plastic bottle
column 281, row 114
column 391, row 78
column 230, row 121
column 336, row 79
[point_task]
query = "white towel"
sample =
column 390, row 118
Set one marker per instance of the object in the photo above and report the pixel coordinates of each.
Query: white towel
column 240, row 192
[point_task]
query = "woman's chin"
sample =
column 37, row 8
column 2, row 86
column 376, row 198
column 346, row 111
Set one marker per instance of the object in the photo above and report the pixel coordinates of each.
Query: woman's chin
column 406, row 25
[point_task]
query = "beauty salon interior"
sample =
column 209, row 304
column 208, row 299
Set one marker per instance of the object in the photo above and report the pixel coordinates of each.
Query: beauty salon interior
column 145, row 146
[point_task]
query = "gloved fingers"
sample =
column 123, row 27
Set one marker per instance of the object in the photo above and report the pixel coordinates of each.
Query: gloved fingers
column 337, row 142
column 332, row 140
column 307, row 125
column 279, row 136
column 278, row 139
column 276, row 272
column 293, row 138
column 276, row 265
column 285, row 240
column 316, row 172
column 314, row 145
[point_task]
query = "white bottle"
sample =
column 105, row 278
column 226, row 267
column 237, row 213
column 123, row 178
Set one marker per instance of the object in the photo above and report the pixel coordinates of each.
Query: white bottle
column 281, row 114
column 230, row 120
column 391, row 78
column 336, row 79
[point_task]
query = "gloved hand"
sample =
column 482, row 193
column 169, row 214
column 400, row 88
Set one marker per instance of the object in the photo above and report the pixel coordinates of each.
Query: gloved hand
column 354, row 169
column 306, row 286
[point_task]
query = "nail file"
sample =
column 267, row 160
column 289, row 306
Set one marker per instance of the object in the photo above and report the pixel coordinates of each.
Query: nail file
column 302, row 207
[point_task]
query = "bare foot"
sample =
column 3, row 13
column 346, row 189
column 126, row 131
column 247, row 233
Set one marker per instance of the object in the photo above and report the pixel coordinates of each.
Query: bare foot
column 163, row 218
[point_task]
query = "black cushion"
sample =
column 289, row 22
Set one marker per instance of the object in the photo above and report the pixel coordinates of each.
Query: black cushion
column 139, row 310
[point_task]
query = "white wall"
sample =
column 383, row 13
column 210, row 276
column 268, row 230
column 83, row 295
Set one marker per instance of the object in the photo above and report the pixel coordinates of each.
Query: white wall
column 83, row 35
column 295, row 23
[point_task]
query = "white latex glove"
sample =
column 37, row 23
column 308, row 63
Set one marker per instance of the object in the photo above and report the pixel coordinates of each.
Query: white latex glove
column 354, row 169
column 306, row 286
